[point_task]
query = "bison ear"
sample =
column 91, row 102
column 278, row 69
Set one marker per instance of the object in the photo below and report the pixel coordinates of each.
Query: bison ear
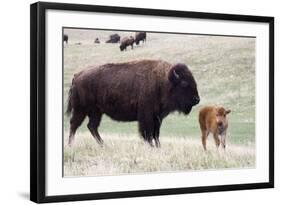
column 228, row 111
column 173, row 76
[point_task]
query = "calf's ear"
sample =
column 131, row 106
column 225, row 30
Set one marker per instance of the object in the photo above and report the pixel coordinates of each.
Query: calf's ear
column 227, row 111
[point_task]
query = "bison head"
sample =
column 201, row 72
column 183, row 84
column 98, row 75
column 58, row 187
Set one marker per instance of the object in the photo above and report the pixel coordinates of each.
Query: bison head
column 122, row 47
column 184, row 94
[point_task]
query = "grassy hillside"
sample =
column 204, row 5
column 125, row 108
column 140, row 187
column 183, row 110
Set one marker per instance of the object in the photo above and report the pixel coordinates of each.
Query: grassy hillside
column 224, row 68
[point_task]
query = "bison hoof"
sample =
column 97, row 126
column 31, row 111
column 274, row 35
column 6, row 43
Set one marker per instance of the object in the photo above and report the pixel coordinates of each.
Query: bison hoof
column 101, row 143
column 70, row 143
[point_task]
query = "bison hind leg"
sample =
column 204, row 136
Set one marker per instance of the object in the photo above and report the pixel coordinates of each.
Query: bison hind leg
column 94, row 122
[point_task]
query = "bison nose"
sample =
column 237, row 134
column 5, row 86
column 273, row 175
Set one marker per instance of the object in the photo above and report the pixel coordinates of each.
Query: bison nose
column 196, row 100
column 220, row 124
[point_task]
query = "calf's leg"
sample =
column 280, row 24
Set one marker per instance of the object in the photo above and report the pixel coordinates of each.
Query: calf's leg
column 223, row 139
column 217, row 140
column 204, row 138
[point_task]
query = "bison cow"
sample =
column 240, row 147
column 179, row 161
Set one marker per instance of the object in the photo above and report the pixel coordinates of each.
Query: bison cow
column 145, row 91
column 127, row 42
column 140, row 36
column 114, row 38
column 213, row 120
column 65, row 38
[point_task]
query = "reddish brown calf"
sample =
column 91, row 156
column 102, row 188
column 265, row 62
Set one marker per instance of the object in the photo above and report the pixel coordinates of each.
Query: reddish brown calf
column 213, row 119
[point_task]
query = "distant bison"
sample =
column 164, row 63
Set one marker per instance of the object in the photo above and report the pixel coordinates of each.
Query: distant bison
column 127, row 42
column 213, row 120
column 97, row 40
column 65, row 38
column 145, row 91
column 140, row 36
column 114, row 38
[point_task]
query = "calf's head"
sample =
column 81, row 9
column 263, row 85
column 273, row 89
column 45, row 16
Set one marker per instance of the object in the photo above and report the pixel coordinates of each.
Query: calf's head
column 184, row 93
column 221, row 119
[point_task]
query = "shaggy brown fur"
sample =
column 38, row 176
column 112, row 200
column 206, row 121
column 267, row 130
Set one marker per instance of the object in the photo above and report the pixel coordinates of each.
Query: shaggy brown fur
column 213, row 119
column 114, row 38
column 140, row 36
column 127, row 42
column 145, row 91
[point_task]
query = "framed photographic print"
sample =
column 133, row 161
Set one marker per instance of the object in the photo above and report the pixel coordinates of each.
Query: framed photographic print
column 129, row 102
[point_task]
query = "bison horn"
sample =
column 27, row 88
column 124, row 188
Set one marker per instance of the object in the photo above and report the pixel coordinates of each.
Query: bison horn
column 176, row 75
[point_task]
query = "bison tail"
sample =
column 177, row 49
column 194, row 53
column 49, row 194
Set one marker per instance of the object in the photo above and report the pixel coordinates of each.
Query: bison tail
column 70, row 100
column 69, row 104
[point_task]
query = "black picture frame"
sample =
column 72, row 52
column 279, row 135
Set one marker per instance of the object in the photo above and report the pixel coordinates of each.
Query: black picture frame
column 38, row 101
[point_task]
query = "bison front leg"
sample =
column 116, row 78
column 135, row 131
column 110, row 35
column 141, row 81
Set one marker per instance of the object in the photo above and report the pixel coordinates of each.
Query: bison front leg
column 157, row 125
column 94, row 122
column 146, row 127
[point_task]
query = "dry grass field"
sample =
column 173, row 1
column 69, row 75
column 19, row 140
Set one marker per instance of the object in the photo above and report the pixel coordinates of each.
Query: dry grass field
column 224, row 68
column 129, row 154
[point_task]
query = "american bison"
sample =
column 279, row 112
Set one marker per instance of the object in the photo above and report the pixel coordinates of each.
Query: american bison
column 65, row 38
column 140, row 36
column 114, row 38
column 97, row 40
column 127, row 42
column 145, row 91
column 213, row 120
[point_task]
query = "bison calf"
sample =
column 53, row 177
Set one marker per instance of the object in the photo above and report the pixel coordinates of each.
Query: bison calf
column 213, row 119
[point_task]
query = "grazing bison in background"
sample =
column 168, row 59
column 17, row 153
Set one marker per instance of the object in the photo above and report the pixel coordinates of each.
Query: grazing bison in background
column 97, row 40
column 114, row 38
column 127, row 42
column 213, row 120
column 140, row 36
column 65, row 38
column 145, row 91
